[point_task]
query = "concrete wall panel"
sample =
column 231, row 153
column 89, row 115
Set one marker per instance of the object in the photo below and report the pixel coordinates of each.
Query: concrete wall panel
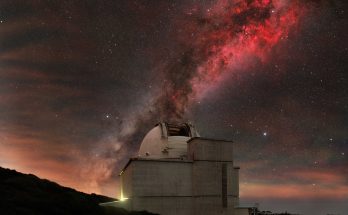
column 212, row 206
column 165, row 205
column 161, row 178
column 234, row 181
column 127, row 182
column 206, row 178
column 215, row 150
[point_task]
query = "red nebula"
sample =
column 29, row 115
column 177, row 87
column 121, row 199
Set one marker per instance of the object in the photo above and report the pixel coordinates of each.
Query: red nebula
column 225, row 38
column 229, row 34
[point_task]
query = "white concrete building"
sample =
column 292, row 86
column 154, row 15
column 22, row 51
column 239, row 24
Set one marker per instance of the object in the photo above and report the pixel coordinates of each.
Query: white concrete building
column 178, row 172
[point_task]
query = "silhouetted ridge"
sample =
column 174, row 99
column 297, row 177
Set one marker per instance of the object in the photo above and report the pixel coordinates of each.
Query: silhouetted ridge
column 28, row 195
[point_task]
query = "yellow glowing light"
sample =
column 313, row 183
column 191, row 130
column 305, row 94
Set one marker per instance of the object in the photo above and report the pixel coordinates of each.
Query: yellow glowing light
column 122, row 199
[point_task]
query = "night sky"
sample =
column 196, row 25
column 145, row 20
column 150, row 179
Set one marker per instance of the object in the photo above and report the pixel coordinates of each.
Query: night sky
column 81, row 82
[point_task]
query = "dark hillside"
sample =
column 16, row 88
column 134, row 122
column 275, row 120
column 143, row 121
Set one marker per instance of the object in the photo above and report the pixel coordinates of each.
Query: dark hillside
column 28, row 195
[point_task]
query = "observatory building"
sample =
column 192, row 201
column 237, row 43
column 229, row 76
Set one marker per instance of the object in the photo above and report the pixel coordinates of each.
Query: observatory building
column 179, row 172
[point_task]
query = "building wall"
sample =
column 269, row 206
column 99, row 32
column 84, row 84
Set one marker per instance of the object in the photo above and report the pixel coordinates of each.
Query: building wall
column 207, row 205
column 233, row 184
column 210, row 205
column 243, row 211
column 207, row 178
column 164, row 205
column 127, row 182
column 213, row 150
column 209, row 157
column 157, row 178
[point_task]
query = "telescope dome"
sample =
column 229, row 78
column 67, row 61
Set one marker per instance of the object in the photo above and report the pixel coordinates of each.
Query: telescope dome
column 167, row 140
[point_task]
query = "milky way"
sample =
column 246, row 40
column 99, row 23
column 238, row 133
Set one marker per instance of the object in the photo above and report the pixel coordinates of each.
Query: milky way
column 81, row 83
column 221, row 38
column 217, row 40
